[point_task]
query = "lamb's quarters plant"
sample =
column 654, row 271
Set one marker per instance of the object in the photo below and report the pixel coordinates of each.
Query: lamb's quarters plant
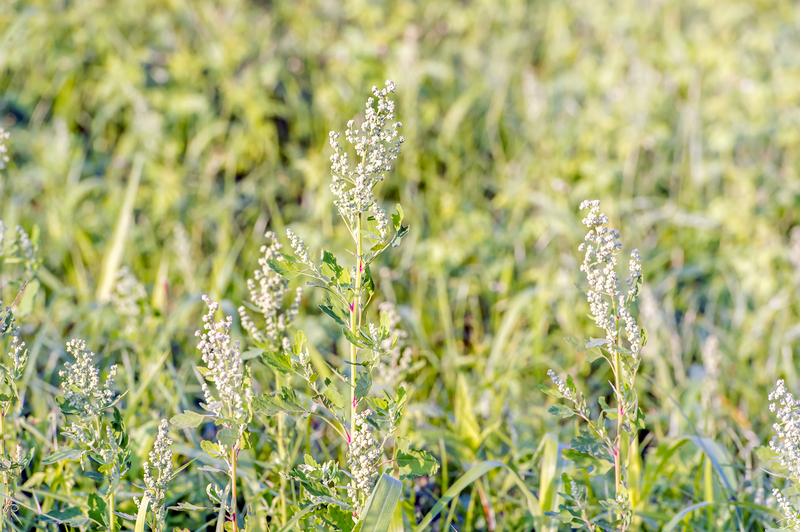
column 340, row 496
column 786, row 448
column 100, row 442
column 605, row 442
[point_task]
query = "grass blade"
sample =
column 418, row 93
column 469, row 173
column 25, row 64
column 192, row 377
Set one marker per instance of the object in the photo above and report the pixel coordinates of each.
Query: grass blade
column 381, row 505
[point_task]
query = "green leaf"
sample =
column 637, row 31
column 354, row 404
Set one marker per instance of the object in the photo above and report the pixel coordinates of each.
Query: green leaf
column 414, row 462
column 277, row 360
column 341, row 519
column 597, row 342
column 97, row 510
column 397, row 219
column 561, row 410
column 330, row 267
column 188, row 419
column 333, row 394
column 551, row 392
column 288, row 268
column 228, row 437
column 363, row 384
column 334, row 308
column 355, row 340
column 380, row 507
column 285, row 401
column 141, row 517
column 69, row 516
column 57, row 456
column 252, row 353
column 586, row 460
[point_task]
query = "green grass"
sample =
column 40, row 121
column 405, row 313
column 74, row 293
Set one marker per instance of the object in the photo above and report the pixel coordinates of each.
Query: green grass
column 680, row 116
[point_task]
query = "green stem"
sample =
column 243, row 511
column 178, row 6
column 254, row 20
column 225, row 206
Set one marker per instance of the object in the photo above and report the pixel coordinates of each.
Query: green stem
column 281, row 456
column 618, row 443
column 355, row 323
column 233, row 489
column 111, row 512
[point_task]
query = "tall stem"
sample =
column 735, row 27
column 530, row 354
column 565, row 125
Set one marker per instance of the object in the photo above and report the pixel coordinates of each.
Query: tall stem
column 111, row 511
column 355, row 323
column 6, row 488
column 233, row 489
column 618, row 445
column 281, row 455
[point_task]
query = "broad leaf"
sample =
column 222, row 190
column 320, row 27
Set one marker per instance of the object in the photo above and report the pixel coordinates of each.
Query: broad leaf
column 188, row 419
column 285, row 401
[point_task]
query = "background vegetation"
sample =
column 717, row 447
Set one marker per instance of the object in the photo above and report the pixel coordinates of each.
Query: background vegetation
column 166, row 136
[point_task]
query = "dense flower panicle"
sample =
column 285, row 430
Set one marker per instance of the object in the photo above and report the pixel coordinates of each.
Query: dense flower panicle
column 4, row 135
column 399, row 359
column 377, row 143
column 786, row 443
column 267, row 292
column 790, row 513
column 224, row 362
column 364, row 454
column 127, row 294
column 601, row 246
column 560, row 384
column 81, row 381
column 158, row 471
column 17, row 351
column 300, row 249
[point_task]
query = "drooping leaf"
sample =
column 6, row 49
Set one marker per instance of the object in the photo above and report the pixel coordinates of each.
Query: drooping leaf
column 334, row 308
column 65, row 454
column 561, row 410
column 333, row 394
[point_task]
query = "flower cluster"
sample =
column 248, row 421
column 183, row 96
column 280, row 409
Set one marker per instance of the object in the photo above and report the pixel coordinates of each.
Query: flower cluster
column 160, row 462
column 4, row 135
column 786, row 444
column 399, row 359
column 560, row 384
column 81, row 382
column 601, row 246
column 267, row 292
column 377, row 143
column 787, row 429
column 300, row 249
column 127, row 294
column 224, row 362
column 364, row 454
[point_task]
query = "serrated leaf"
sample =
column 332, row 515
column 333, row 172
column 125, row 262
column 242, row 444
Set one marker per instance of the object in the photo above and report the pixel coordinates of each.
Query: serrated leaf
column 414, row 462
column 285, row 401
column 363, row 384
column 333, row 395
column 97, row 509
column 228, row 437
column 277, row 360
column 287, row 268
column 188, row 419
column 341, row 519
column 397, row 219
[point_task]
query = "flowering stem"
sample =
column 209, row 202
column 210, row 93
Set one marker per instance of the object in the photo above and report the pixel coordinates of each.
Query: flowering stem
column 233, row 489
column 355, row 321
column 618, row 444
column 281, row 455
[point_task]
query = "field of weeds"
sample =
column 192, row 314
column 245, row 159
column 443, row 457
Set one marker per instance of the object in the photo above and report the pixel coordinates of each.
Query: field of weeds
column 545, row 279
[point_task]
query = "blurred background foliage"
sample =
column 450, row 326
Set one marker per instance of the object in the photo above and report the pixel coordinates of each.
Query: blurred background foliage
column 168, row 135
